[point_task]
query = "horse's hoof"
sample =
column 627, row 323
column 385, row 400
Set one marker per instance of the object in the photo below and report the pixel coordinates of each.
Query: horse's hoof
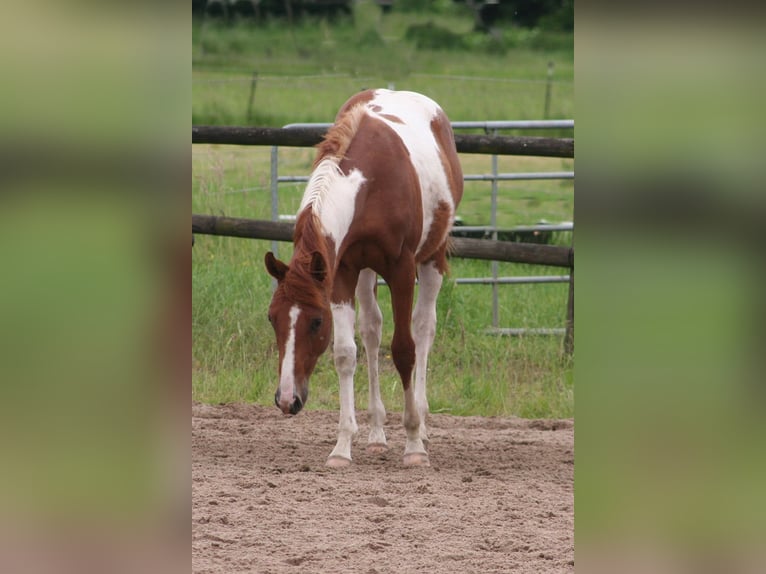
column 377, row 448
column 337, row 462
column 416, row 459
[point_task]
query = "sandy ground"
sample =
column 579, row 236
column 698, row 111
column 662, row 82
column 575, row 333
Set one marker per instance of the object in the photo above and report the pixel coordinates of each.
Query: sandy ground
column 498, row 496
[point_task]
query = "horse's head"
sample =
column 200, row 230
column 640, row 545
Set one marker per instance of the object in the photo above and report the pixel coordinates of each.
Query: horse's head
column 302, row 321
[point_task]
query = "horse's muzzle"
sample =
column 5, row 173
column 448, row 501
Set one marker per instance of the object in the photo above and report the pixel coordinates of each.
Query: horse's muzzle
column 291, row 408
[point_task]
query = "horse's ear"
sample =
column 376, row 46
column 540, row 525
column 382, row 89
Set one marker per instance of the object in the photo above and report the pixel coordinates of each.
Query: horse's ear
column 275, row 267
column 318, row 267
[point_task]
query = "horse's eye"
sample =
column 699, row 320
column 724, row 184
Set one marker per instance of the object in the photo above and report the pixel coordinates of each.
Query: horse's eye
column 271, row 318
column 315, row 324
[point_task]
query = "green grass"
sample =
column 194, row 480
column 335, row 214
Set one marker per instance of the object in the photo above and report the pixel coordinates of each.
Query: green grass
column 470, row 372
column 306, row 72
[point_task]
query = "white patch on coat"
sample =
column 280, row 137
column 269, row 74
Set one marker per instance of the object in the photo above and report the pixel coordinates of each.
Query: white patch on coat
column 417, row 111
column 287, row 378
column 332, row 196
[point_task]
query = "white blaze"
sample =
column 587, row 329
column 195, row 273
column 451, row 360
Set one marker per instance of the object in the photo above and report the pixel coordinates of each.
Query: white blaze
column 287, row 377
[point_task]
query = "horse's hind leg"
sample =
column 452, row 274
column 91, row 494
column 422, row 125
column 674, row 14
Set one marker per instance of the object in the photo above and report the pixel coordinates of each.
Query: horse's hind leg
column 370, row 323
column 423, row 331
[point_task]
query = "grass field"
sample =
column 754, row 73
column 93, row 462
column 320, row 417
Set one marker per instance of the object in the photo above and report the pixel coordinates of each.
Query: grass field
column 470, row 372
column 303, row 72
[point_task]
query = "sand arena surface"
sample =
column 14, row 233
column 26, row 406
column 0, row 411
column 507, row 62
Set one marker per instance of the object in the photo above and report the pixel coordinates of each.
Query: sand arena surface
column 498, row 496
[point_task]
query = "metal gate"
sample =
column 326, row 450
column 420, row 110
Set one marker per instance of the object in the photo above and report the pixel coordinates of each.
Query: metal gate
column 491, row 230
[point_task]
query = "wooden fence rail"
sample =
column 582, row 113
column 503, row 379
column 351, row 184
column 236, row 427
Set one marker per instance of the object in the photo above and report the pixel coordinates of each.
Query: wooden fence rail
column 533, row 253
column 307, row 137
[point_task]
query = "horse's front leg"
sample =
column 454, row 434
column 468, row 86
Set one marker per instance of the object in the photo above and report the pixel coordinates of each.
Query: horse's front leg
column 402, row 283
column 344, row 352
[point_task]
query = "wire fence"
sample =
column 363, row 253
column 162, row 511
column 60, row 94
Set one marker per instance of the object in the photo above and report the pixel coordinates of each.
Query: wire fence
column 251, row 98
column 244, row 77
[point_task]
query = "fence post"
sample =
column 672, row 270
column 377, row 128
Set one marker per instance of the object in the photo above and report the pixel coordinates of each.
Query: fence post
column 493, row 223
column 569, row 332
column 253, row 82
column 274, row 193
column 547, row 110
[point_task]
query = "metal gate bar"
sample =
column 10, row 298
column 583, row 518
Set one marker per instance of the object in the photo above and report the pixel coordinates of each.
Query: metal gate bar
column 491, row 230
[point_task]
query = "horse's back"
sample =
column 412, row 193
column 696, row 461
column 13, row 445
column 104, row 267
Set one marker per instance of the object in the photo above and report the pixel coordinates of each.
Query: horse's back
column 405, row 148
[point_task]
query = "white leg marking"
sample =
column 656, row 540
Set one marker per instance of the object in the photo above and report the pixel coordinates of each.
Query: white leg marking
column 370, row 323
column 423, row 331
column 414, row 451
column 287, row 376
column 344, row 350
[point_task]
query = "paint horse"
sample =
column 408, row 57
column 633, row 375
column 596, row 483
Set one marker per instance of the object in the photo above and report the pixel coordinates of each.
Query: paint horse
column 381, row 199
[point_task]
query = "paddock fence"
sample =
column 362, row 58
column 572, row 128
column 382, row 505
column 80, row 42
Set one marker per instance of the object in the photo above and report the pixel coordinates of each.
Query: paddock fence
column 462, row 247
column 307, row 135
column 487, row 248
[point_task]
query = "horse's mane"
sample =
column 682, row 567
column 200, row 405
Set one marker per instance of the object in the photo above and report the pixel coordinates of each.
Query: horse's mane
column 299, row 285
column 339, row 136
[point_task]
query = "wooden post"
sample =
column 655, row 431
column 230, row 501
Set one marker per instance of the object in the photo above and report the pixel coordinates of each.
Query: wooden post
column 547, row 110
column 569, row 332
column 253, row 82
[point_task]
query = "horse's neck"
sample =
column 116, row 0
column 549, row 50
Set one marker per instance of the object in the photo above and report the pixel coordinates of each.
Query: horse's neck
column 326, row 246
